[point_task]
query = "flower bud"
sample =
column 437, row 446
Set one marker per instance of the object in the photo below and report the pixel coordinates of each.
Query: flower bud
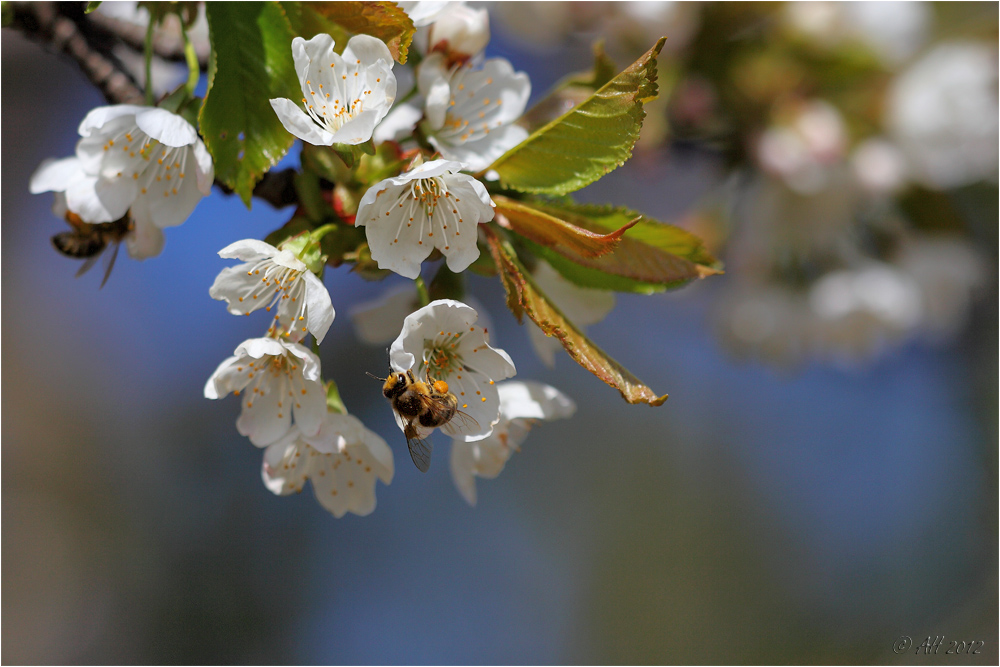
column 460, row 33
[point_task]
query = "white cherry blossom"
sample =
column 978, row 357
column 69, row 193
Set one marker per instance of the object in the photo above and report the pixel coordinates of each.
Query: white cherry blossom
column 581, row 305
column 131, row 156
column 469, row 110
column 942, row 113
column 423, row 12
column 343, row 97
column 442, row 342
column 277, row 379
column 432, row 206
column 276, row 279
column 343, row 460
column 521, row 405
column 459, row 31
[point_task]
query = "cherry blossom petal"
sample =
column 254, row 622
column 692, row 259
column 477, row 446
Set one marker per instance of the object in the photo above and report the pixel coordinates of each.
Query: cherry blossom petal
column 167, row 128
column 299, row 124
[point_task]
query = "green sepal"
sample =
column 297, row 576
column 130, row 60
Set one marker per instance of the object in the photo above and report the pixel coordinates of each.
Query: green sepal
column 307, row 247
column 351, row 153
column 341, row 242
column 297, row 225
column 333, row 400
column 365, row 266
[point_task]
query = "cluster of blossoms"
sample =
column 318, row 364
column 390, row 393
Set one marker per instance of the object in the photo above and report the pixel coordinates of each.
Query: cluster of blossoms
column 465, row 109
column 443, row 124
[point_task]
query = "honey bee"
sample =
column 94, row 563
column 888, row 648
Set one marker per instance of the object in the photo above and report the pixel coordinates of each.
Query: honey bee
column 422, row 404
column 89, row 241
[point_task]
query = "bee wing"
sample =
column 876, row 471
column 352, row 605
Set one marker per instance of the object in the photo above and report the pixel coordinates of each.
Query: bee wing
column 88, row 265
column 460, row 424
column 420, row 452
column 111, row 265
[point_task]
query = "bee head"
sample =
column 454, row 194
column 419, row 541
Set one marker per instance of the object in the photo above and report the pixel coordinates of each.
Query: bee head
column 395, row 385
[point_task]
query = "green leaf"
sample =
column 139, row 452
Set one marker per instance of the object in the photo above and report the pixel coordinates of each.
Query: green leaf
column 587, row 141
column 91, row 6
column 593, row 278
column 251, row 63
column 570, row 91
column 554, row 232
column 523, row 293
column 306, row 23
column 384, row 20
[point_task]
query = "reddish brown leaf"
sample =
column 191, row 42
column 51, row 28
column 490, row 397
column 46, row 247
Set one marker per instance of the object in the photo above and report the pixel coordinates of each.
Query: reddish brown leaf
column 523, row 296
column 553, row 232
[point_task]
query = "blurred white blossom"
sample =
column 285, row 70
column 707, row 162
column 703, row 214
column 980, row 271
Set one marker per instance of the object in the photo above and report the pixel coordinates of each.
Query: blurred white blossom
column 522, row 404
column 459, row 32
column 894, row 31
column 581, row 305
column 943, row 113
column 803, row 150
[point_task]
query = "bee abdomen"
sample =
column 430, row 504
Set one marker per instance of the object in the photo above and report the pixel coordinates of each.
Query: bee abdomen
column 78, row 246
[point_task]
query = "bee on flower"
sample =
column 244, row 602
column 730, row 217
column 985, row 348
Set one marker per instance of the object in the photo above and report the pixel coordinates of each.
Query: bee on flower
column 140, row 161
column 441, row 348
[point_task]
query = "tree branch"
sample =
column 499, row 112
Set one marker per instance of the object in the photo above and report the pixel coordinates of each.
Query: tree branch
column 46, row 23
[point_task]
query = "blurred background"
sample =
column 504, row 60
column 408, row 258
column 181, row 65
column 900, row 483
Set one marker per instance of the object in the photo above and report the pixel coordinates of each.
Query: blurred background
column 821, row 482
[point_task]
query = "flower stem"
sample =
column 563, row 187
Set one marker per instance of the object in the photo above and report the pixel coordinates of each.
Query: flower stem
column 425, row 297
column 194, row 68
column 149, row 62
